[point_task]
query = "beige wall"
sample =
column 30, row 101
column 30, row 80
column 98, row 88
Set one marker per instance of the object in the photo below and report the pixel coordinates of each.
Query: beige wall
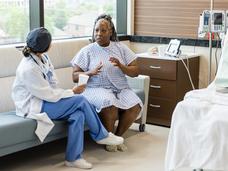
column 202, row 51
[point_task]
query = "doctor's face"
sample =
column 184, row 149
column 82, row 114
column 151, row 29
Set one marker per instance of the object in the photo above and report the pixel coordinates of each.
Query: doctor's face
column 102, row 32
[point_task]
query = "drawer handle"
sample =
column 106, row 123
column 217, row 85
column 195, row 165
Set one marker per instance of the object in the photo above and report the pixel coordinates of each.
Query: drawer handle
column 155, row 67
column 154, row 86
column 157, row 106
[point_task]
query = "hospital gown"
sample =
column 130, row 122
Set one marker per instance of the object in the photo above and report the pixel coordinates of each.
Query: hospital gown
column 109, row 87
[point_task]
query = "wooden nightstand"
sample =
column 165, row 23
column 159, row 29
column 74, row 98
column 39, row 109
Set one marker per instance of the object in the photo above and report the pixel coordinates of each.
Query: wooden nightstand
column 169, row 82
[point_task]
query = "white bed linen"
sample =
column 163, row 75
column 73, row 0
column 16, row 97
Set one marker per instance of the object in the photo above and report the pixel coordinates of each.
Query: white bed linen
column 199, row 132
column 198, row 135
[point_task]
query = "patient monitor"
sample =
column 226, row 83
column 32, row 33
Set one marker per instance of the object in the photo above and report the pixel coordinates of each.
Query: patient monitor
column 218, row 21
column 173, row 48
column 205, row 21
column 214, row 21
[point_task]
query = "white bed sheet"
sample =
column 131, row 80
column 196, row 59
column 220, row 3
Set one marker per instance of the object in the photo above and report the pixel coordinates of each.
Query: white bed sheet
column 198, row 136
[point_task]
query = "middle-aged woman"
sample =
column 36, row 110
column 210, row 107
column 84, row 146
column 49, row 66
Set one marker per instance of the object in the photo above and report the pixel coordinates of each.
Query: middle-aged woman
column 36, row 94
column 106, row 61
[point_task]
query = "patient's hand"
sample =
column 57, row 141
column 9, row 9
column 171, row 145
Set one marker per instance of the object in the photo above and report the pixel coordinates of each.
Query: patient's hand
column 97, row 70
column 79, row 89
column 114, row 61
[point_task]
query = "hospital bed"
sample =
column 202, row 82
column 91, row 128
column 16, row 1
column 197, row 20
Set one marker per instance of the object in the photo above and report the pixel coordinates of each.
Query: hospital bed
column 198, row 136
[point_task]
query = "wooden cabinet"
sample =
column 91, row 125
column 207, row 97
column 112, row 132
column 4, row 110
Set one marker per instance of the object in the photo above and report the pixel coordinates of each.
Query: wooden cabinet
column 169, row 82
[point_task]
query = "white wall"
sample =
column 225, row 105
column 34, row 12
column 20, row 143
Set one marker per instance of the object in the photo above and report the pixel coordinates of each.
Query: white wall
column 202, row 51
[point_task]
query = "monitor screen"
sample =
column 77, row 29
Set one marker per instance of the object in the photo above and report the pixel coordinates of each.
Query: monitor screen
column 217, row 18
column 172, row 48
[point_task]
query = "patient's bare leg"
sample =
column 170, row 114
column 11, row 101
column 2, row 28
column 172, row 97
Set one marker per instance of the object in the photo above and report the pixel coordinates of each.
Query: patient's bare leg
column 108, row 117
column 126, row 118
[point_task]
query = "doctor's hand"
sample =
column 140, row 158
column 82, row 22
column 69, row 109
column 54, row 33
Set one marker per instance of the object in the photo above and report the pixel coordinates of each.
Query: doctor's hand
column 97, row 70
column 79, row 89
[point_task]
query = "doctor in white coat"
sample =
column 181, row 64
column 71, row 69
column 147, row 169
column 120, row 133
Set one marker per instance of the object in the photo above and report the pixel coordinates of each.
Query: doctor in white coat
column 37, row 96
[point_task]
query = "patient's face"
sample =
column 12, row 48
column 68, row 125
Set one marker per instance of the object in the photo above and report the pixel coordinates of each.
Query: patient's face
column 102, row 32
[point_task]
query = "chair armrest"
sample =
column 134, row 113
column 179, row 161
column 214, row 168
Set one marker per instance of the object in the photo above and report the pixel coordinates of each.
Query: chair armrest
column 141, row 82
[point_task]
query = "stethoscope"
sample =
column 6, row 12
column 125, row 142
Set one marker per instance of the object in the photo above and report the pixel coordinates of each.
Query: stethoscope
column 44, row 74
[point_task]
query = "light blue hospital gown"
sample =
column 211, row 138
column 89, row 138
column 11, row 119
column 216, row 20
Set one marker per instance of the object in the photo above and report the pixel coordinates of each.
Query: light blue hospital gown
column 110, row 86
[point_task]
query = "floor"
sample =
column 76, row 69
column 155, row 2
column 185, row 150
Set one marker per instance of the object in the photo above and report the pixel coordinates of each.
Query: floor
column 146, row 152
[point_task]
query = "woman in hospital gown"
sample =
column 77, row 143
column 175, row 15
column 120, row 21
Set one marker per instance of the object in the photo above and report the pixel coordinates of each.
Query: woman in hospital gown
column 107, row 61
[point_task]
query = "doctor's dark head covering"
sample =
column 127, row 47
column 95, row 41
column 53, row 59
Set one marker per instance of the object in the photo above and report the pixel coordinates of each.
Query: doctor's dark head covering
column 38, row 41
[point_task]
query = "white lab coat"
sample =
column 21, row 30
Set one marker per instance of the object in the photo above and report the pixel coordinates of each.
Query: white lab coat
column 31, row 87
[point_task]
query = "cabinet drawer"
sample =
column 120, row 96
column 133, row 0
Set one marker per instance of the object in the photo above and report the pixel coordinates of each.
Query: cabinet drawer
column 162, row 88
column 158, row 68
column 158, row 121
column 161, row 108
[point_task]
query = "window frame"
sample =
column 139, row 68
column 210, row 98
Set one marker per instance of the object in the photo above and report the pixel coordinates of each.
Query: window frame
column 36, row 13
column 121, row 16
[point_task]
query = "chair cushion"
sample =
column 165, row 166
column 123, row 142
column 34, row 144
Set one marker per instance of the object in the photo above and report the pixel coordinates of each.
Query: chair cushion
column 16, row 129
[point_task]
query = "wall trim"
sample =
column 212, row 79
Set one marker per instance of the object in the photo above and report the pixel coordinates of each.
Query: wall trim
column 166, row 40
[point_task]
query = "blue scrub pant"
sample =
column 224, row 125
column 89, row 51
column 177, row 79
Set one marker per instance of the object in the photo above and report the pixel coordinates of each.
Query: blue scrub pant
column 78, row 112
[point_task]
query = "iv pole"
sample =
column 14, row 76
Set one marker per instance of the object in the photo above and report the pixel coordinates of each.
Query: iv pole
column 210, row 44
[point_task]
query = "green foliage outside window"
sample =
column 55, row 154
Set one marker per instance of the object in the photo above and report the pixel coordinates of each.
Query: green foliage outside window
column 61, row 17
column 15, row 24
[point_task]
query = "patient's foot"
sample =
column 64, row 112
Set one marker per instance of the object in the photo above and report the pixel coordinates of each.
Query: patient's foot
column 122, row 147
column 111, row 148
column 80, row 163
column 111, row 139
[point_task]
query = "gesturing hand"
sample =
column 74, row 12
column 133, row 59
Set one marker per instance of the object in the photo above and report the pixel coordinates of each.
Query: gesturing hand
column 115, row 61
column 97, row 69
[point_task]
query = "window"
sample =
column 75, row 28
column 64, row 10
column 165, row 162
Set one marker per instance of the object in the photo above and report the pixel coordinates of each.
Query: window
column 75, row 18
column 64, row 18
column 14, row 21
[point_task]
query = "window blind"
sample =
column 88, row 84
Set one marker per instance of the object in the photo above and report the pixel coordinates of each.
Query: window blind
column 171, row 18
